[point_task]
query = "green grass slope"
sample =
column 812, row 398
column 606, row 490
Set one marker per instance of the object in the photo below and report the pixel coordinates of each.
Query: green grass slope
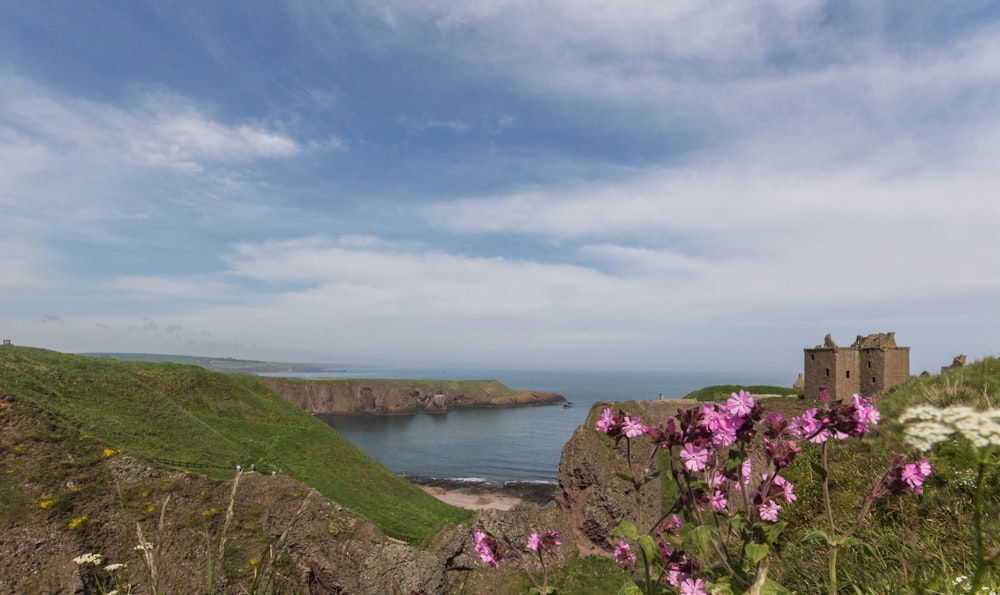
column 190, row 418
column 721, row 392
column 921, row 543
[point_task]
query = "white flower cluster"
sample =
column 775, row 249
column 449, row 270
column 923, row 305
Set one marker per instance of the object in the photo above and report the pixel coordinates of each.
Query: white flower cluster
column 89, row 559
column 985, row 589
column 145, row 546
column 935, row 424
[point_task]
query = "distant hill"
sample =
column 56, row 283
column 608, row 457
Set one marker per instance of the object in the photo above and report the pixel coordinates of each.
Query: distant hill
column 222, row 364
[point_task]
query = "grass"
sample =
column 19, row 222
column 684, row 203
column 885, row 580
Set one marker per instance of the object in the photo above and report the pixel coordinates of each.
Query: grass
column 720, row 392
column 187, row 417
column 917, row 541
column 915, row 544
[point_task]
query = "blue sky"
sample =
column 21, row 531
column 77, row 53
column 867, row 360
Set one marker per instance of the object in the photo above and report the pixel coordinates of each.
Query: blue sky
column 634, row 184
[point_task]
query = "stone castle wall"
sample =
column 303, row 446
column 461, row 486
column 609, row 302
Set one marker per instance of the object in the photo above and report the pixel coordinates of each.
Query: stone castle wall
column 869, row 367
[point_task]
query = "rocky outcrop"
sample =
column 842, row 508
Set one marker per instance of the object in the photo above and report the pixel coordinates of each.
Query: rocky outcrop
column 337, row 396
column 594, row 499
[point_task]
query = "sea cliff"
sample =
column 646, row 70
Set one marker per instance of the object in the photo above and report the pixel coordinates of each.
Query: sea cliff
column 353, row 396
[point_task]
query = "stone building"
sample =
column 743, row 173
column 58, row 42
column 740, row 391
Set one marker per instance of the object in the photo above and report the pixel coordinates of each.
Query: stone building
column 869, row 367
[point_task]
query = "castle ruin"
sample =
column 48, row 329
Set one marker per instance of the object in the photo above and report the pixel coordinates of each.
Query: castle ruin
column 870, row 366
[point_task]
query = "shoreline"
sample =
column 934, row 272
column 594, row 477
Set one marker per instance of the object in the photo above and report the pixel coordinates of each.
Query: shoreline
column 475, row 495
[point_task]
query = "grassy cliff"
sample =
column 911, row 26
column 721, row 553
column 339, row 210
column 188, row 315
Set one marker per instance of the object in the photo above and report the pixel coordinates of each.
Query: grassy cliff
column 186, row 417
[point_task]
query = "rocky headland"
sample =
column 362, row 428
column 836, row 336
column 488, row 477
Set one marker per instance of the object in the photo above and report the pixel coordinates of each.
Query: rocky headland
column 339, row 396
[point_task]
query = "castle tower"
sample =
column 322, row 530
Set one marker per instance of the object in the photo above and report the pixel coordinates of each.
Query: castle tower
column 869, row 367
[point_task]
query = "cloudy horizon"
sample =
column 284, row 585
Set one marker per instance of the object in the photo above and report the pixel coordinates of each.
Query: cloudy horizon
column 636, row 185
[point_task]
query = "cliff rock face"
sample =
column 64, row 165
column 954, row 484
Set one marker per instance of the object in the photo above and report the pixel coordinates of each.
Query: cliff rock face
column 591, row 494
column 332, row 396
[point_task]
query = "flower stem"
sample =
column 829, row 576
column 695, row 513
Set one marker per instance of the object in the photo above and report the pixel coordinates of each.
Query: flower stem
column 834, row 543
column 977, row 502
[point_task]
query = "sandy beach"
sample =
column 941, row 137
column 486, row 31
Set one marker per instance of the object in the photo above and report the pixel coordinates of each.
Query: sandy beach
column 473, row 501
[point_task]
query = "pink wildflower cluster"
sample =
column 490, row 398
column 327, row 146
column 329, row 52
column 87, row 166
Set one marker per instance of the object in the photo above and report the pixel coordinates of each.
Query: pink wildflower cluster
column 488, row 548
column 492, row 550
column 546, row 542
column 709, row 448
column 903, row 478
column 702, row 437
column 837, row 420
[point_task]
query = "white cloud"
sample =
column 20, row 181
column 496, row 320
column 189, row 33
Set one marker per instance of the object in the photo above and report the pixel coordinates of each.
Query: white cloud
column 51, row 139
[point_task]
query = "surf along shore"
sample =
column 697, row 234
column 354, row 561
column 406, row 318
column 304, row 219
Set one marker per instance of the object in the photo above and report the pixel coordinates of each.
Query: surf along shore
column 485, row 495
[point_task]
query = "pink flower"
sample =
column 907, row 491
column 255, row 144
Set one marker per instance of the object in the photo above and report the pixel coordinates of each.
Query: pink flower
column 624, row 555
column 633, row 427
column 745, row 470
column 695, row 458
column 787, row 488
column 865, row 414
column 533, row 541
column 485, row 549
column 769, row 511
column 739, row 404
column 607, row 421
column 719, row 501
column 690, row 586
column 808, row 426
column 550, row 540
column 914, row 474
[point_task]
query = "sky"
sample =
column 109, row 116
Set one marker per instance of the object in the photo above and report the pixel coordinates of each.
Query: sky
column 583, row 184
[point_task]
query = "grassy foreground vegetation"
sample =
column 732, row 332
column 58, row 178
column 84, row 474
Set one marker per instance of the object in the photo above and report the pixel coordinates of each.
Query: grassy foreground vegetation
column 914, row 544
column 720, row 392
column 186, row 417
column 923, row 544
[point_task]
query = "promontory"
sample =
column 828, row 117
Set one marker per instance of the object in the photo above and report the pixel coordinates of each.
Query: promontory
column 353, row 396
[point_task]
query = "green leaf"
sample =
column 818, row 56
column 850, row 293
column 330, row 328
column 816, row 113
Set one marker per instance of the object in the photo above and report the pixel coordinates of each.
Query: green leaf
column 772, row 531
column 817, row 535
column 772, row 588
column 650, row 477
column 627, row 529
column 649, row 547
column 624, row 477
column 630, row 588
column 818, row 469
column 756, row 552
column 701, row 537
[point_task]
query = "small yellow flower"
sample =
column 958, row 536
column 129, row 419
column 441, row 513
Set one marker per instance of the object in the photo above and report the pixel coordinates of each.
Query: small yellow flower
column 77, row 522
column 208, row 513
column 110, row 452
column 46, row 501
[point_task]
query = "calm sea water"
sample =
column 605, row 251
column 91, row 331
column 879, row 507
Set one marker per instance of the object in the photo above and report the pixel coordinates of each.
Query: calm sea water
column 498, row 446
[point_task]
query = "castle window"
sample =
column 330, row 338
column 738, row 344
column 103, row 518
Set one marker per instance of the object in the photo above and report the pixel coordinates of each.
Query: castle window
column 828, row 371
column 812, row 356
column 848, row 373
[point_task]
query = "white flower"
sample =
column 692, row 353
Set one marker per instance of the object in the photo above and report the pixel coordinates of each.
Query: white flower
column 114, row 567
column 934, row 425
column 85, row 559
column 145, row 546
column 925, row 434
column 921, row 413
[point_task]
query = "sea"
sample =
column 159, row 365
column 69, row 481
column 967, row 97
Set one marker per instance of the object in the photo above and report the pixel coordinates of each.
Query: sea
column 506, row 447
